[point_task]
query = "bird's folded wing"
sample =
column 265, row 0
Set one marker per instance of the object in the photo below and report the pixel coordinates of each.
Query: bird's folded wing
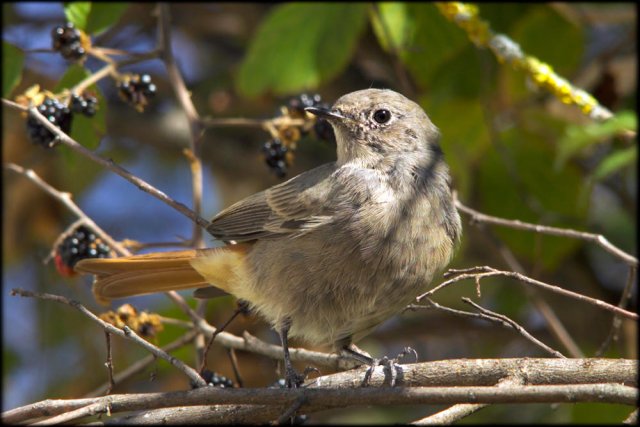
column 290, row 208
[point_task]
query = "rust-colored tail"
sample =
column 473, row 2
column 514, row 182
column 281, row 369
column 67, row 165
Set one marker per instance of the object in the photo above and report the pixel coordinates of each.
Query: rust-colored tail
column 164, row 271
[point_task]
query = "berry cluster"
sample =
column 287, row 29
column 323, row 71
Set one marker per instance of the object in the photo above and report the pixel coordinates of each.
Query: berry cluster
column 80, row 244
column 68, row 41
column 216, row 380
column 84, row 104
column 56, row 113
column 137, row 90
column 143, row 323
column 296, row 105
column 275, row 153
column 281, row 383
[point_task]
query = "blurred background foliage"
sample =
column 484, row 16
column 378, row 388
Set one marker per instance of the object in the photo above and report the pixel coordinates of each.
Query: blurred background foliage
column 514, row 151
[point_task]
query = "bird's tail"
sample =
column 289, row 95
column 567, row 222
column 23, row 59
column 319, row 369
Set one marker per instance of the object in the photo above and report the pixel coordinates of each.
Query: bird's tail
column 165, row 271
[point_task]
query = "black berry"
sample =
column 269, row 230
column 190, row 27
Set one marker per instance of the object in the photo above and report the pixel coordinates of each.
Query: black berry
column 275, row 156
column 297, row 104
column 68, row 41
column 85, row 104
column 137, row 90
column 215, row 380
column 58, row 114
column 80, row 244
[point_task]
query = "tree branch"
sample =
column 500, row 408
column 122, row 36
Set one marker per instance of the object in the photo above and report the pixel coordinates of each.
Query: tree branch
column 599, row 239
column 485, row 271
column 125, row 332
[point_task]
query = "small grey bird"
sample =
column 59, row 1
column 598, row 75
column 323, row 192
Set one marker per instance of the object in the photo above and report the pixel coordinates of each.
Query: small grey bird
column 331, row 253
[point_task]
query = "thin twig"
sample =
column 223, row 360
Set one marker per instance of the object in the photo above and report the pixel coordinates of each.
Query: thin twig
column 141, row 364
column 234, row 365
column 599, row 239
column 109, row 362
column 553, row 322
column 214, row 335
column 102, row 407
column 513, row 324
column 489, row 316
column 486, row 271
column 125, row 332
column 612, row 336
column 65, row 199
column 110, row 164
column 291, row 411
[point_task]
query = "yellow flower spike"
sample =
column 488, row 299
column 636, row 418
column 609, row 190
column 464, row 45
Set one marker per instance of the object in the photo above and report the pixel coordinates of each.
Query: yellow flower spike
column 466, row 16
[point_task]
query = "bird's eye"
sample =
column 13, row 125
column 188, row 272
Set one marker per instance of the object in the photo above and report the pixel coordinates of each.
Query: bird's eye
column 382, row 116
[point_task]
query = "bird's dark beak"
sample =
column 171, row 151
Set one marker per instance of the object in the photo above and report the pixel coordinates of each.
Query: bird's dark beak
column 325, row 113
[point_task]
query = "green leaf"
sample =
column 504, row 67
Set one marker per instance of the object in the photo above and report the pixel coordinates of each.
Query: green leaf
column 518, row 182
column 431, row 41
column 465, row 137
column 391, row 24
column 300, row 45
column 86, row 130
column 77, row 13
column 103, row 15
column 577, row 138
column 616, row 161
column 12, row 61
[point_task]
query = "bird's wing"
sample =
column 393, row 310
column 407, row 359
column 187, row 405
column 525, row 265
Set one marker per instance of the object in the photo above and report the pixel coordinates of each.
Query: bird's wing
column 291, row 208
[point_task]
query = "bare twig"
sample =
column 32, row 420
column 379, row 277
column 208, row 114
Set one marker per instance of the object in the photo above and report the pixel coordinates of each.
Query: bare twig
column 125, row 332
column 65, row 199
column 214, row 335
column 486, row 271
column 451, row 415
column 109, row 362
column 513, row 324
column 457, row 412
column 101, row 407
column 494, row 317
column 141, row 364
column 166, row 53
column 617, row 321
column 632, row 418
column 553, row 231
column 110, row 164
column 553, row 322
column 291, row 411
column 234, row 365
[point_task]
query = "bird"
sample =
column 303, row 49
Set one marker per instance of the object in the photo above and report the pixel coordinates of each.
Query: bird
column 329, row 254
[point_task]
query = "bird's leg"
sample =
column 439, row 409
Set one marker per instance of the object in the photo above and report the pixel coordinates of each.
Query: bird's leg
column 391, row 365
column 292, row 378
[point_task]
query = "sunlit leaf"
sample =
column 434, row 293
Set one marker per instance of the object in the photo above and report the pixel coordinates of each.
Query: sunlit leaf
column 300, row 45
column 78, row 13
column 616, row 161
column 578, row 137
column 103, row 15
column 391, row 24
column 12, row 61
